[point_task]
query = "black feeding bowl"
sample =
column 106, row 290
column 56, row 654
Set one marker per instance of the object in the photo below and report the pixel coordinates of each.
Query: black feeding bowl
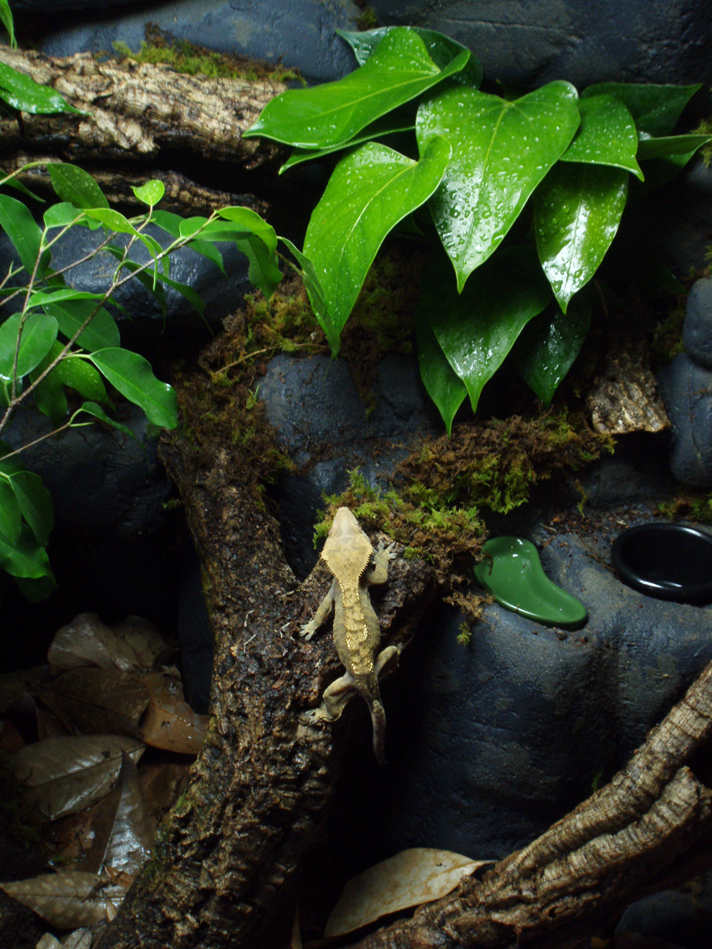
column 668, row 561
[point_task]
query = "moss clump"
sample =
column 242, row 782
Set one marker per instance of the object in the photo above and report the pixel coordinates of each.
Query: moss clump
column 183, row 56
column 696, row 506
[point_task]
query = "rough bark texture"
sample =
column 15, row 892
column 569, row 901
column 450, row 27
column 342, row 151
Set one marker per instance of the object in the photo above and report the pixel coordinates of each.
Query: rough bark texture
column 263, row 777
column 623, row 841
column 138, row 110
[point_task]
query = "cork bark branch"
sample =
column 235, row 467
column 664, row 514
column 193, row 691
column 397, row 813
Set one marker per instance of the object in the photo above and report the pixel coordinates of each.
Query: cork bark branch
column 137, row 112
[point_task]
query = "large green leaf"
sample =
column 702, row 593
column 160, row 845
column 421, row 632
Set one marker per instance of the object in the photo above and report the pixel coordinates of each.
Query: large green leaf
column 21, row 228
column 398, row 121
column 23, row 93
column 477, row 328
column 35, row 504
column 38, row 334
column 550, row 343
column 102, row 331
column 442, row 50
column 399, row 70
column 370, row 191
column 74, row 185
column 26, row 558
column 132, row 375
column 577, row 210
column 501, row 151
column 655, row 108
column 606, row 135
column 10, row 515
column 441, row 382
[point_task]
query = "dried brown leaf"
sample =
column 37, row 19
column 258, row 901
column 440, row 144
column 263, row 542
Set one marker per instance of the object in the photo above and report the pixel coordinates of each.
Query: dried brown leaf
column 98, row 701
column 131, row 645
column 13, row 684
column 170, row 723
column 67, row 900
column 410, row 878
column 64, row 775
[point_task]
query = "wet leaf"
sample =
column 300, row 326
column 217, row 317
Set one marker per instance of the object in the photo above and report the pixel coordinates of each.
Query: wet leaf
column 669, row 145
column 23, row 93
column 170, row 723
column 38, row 333
column 98, row 701
column 410, row 878
column 64, row 775
column 150, row 193
column 72, row 184
column 68, row 899
column 606, row 135
column 548, row 346
column 477, row 328
column 370, row 191
column 398, row 70
column 442, row 383
column 130, row 645
column 501, row 150
column 577, row 210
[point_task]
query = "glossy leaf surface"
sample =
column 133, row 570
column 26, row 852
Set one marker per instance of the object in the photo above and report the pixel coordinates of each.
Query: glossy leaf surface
column 577, row 212
column 370, row 191
column 399, row 70
column 606, row 135
column 477, row 328
column 21, row 228
column 38, row 334
column 501, row 151
column 79, row 375
column 74, row 185
column 655, row 108
column 442, row 50
column 549, row 345
column 101, row 331
column 441, row 382
column 26, row 95
column 150, row 193
column 132, row 375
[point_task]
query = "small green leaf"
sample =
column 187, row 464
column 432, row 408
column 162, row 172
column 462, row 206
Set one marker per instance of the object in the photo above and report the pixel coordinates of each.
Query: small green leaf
column 132, row 375
column 6, row 18
column 21, row 228
column 23, row 93
column 548, row 346
column 62, row 215
column 668, row 145
column 441, row 382
column 38, row 334
column 168, row 221
column 315, row 291
column 102, row 331
column 370, row 191
column 63, row 295
column 49, row 396
column 151, row 193
column 10, row 516
column 112, row 220
column 35, row 503
column 263, row 271
column 398, row 70
column 477, row 328
column 252, row 223
column 206, row 249
column 83, row 378
column 501, row 150
column 26, row 558
column 442, row 50
column 606, row 135
column 577, row 210
column 91, row 408
column 655, row 108
column 74, row 185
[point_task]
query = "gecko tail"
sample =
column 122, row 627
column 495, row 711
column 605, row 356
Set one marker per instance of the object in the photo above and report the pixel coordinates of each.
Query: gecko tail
column 378, row 718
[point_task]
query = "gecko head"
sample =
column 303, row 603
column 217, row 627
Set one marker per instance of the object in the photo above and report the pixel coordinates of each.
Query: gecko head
column 344, row 523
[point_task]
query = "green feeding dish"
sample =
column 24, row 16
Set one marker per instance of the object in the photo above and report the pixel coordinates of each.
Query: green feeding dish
column 512, row 572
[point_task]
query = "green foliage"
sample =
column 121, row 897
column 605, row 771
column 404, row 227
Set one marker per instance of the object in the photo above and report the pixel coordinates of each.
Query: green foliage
column 61, row 346
column 481, row 158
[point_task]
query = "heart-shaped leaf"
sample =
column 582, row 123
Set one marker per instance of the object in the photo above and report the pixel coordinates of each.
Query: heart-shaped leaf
column 550, row 343
column 577, row 210
column 501, row 150
column 606, row 135
column 370, row 191
column 477, row 328
column 399, row 70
